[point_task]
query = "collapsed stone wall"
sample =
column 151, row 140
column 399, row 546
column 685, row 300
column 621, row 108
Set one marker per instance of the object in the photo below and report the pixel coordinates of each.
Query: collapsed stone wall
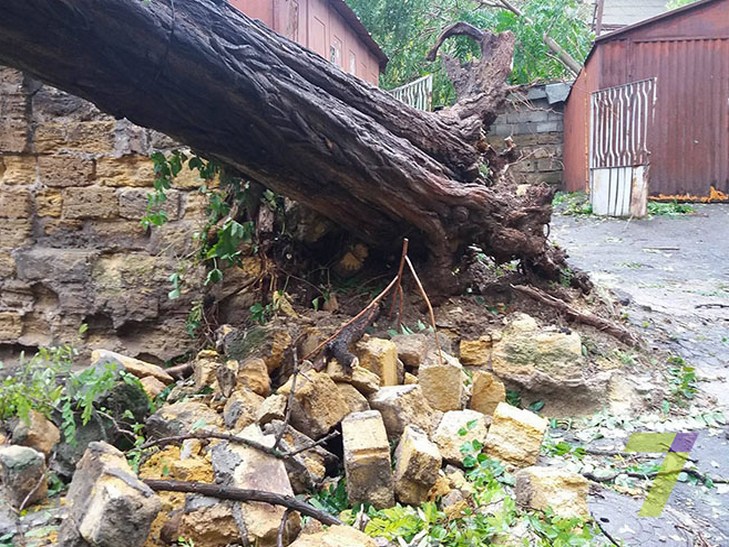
column 533, row 118
column 73, row 188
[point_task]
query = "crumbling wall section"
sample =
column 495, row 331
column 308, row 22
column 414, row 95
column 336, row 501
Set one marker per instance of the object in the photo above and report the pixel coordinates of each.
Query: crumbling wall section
column 73, row 188
column 533, row 119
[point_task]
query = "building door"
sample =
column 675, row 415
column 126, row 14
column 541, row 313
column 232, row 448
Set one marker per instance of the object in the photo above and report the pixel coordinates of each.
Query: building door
column 620, row 119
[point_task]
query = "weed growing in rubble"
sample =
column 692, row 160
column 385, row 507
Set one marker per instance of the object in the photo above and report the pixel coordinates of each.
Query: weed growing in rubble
column 682, row 379
column 45, row 383
column 669, row 208
column 489, row 514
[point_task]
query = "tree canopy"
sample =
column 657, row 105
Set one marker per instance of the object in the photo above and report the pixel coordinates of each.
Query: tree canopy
column 406, row 29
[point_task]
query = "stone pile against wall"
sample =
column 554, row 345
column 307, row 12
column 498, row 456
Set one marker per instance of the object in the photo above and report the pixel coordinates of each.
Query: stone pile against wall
column 533, row 119
column 73, row 187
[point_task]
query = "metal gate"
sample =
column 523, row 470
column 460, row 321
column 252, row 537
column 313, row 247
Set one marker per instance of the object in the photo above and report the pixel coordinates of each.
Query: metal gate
column 620, row 118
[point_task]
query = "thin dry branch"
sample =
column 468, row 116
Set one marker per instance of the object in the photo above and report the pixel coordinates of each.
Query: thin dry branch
column 398, row 290
column 430, row 308
column 240, row 494
column 591, row 319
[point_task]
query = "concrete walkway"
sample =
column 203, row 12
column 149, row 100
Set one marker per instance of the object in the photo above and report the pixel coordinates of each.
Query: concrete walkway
column 675, row 271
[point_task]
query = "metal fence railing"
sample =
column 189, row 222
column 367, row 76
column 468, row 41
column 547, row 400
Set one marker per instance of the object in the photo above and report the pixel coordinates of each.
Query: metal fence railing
column 418, row 93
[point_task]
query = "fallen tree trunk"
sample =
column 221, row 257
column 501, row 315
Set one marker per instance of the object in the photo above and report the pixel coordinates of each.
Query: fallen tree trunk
column 228, row 87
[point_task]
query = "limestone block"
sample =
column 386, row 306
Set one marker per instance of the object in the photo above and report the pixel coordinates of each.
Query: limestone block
column 152, row 386
column 476, row 352
column 515, row 435
column 20, row 169
column 204, row 370
column 65, row 170
column 401, row 406
column 354, row 399
column 335, row 536
column 38, row 433
column 108, row 505
column 174, row 238
column 487, row 392
column 364, row 380
column 139, row 368
column 367, row 464
column 253, row 374
column 7, row 265
column 410, row 379
column 90, row 202
column 43, row 263
column 272, row 408
column 15, row 233
column 227, row 376
column 48, row 202
column 269, row 342
column 442, row 384
column 379, row 356
column 15, row 202
column 412, row 348
column 417, row 463
column 308, row 469
column 537, row 358
column 133, row 203
column 564, row 491
column 15, row 130
column 317, row 406
column 128, row 171
column 209, row 522
column 11, row 326
column 22, row 474
column 244, row 467
column 95, row 136
column 182, row 418
column 448, row 438
column 241, row 409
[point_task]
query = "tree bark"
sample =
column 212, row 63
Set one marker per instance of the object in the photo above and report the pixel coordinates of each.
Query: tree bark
column 208, row 76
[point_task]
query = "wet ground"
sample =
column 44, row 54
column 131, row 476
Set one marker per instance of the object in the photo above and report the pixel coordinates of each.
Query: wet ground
column 674, row 273
column 674, row 270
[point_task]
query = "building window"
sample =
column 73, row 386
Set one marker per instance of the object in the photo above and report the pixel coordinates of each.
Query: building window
column 352, row 63
column 335, row 52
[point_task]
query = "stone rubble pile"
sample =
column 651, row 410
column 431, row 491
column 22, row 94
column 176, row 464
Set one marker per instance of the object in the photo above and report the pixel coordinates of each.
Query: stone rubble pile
column 403, row 413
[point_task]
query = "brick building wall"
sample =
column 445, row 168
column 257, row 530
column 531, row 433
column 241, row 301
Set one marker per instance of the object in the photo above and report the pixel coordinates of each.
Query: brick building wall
column 73, row 187
column 534, row 120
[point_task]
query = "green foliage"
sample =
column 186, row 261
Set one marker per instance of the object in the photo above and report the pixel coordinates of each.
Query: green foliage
column 572, row 203
column 332, row 499
column 488, row 519
column 46, row 384
column 669, row 208
column 682, row 379
column 407, row 29
column 36, row 383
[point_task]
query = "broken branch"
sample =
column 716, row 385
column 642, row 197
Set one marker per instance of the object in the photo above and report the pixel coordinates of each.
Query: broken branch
column 240, row 494
column 593, row 320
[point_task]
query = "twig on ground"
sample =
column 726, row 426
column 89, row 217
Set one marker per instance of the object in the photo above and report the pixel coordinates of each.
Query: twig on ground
column 430, row 308
column 205, row 435
column 398, row 293
column 593, row 320
column 282, row 528
column 239, row 494
column 313, row 444
column 693, row 472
